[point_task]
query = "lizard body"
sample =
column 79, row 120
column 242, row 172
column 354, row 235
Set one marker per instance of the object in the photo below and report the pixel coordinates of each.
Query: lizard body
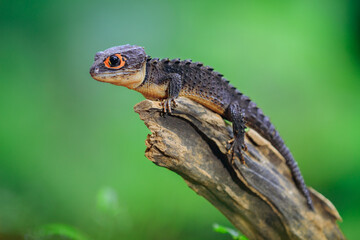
column 165, row 79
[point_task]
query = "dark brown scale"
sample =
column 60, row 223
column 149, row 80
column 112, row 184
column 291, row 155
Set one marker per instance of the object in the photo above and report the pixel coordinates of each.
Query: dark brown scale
column 209, row 88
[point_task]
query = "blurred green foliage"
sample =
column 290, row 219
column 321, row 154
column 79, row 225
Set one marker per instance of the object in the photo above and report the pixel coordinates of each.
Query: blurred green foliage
column 72, row 149
column 56, row 232
column 235, row 235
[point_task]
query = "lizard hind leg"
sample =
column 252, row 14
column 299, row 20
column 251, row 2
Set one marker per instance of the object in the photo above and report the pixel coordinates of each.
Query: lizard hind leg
column 237, row 117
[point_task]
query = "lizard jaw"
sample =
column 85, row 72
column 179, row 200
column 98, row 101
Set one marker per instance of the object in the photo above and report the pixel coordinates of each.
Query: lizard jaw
column 129, row 79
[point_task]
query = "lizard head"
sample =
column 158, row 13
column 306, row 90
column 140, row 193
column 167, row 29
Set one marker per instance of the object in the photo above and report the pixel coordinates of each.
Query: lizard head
column 122, row 65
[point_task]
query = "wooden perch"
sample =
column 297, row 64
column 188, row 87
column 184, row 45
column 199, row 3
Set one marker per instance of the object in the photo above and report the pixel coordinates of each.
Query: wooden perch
column 259, row 198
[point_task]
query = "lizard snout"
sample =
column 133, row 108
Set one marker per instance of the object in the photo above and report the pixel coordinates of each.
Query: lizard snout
column 94, row 70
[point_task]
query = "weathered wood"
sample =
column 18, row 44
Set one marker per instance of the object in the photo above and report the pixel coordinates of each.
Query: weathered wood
column 259, row 198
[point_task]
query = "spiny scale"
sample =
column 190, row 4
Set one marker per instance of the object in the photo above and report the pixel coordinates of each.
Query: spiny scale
column 208, row 87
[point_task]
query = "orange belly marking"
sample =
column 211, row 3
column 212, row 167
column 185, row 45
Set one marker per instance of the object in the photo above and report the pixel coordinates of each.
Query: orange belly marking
column 158, row 92
column 205, row 102
column 153, row 91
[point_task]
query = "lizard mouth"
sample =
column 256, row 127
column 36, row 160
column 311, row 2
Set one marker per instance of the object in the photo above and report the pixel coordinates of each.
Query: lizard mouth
column 130, row 78
column 109, row 76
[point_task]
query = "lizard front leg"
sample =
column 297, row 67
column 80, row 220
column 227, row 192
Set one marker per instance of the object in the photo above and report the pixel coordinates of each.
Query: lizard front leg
column 237, row 117
column 174, row 89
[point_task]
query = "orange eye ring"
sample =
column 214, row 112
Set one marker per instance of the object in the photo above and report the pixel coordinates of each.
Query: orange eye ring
column 119, row 61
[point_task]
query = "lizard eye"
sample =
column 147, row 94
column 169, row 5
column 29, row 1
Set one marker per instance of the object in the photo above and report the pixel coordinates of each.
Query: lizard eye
column 115, row 61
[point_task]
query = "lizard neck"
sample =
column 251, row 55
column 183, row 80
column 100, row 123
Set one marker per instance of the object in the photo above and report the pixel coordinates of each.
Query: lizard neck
column 150, row 88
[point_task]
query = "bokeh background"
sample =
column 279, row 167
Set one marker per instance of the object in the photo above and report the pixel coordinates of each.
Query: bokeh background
column 72, row 149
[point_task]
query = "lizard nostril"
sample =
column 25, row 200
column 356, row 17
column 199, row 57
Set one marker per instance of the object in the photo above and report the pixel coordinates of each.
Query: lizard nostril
column 94, row 70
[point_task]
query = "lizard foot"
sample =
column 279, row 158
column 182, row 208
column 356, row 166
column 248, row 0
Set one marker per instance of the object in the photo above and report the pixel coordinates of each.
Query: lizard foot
column 236, row 150
column 166, row 104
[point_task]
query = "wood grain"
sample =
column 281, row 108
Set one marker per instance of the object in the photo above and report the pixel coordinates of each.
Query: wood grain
column 259, row 198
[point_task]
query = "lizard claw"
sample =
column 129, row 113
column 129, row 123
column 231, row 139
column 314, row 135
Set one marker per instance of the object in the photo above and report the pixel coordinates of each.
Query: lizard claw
column 236, row 150
column 244, row 147
column 231, row 141
column 166, row 104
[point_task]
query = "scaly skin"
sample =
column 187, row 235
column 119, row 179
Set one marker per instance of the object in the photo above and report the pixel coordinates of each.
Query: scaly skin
column 168, row 79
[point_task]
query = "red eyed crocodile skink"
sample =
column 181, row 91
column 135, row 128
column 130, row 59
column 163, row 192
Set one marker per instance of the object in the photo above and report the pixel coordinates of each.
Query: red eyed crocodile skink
column 165, row 80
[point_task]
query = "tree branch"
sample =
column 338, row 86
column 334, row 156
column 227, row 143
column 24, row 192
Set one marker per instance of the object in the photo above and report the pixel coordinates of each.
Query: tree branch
column 259, row 198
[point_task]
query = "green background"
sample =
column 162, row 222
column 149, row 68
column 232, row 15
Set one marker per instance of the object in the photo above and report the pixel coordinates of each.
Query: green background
column 72, row 148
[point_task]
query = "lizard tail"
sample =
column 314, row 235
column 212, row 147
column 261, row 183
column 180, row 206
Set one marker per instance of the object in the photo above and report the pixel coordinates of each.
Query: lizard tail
column 279, row 144
column 259, row 122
